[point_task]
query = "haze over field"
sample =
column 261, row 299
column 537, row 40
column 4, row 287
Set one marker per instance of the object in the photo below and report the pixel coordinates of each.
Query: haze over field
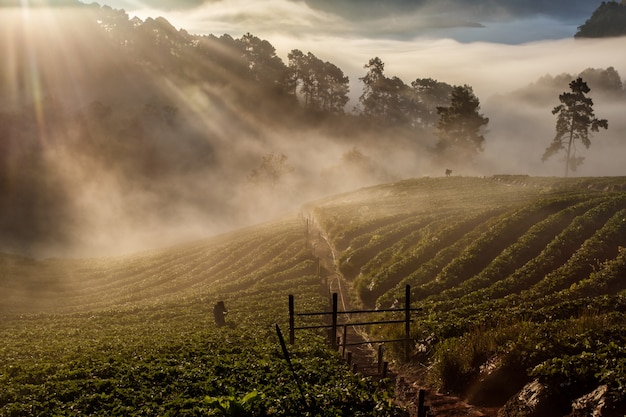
column 186, row 172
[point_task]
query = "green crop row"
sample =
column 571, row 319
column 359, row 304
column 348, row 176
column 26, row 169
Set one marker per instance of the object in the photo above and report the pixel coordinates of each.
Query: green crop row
column 136, row 335
column 545, row 262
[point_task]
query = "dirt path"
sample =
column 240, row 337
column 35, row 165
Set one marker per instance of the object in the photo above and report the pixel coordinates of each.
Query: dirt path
column 365, row 357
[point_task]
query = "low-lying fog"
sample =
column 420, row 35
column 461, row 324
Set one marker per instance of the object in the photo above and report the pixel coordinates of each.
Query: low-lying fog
column 208, row 187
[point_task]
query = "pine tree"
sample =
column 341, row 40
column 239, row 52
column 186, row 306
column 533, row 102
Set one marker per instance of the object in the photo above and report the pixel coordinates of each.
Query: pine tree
column 575, row 119
column 460, row 124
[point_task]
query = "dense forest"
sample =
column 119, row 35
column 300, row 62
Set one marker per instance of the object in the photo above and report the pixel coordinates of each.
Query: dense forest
column 117, row 130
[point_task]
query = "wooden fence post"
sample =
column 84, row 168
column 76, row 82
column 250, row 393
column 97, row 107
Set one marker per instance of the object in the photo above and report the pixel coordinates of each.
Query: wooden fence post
column 407, row 323
column 333, row 339
column 288, row 359
column 421, row 409
column 292, row 331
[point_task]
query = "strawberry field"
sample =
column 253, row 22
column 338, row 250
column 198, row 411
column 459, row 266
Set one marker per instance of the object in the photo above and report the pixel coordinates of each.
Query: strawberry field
column 521, row 283
column 136, row 335
column 521, row 280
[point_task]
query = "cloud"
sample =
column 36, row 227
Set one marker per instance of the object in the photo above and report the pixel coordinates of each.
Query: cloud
column 237, row 17
column 168, row 5
column 511, row 21
column 359, row 9
column 389, row 18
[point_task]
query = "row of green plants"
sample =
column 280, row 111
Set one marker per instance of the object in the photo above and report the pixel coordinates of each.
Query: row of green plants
column 137, row 335
column 129, row 363
column 445, row 237
column 572, row 225
column 511, row 261
column 534, row 290
column 160, row 275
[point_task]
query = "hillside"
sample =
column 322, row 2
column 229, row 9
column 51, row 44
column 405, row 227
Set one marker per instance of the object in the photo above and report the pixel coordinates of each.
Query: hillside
column 520, row 281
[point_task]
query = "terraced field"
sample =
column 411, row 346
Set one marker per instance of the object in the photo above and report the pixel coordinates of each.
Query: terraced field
column 521, row 282
column 136, row 335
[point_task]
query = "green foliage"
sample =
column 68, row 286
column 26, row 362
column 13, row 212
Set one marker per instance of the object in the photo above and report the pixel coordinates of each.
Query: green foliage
column 593, row 362
column 233, row 406
column 460, row 124
column 518, row 278
column 137, row 336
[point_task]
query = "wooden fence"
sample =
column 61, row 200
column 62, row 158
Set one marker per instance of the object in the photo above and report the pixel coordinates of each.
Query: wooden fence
column 335, row 323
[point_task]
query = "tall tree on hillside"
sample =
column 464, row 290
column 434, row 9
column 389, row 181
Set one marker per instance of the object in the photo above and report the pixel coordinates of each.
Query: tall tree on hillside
column 575, row 117
column 302, row 75
column 384, row 99
column 264, row 66
column 460, row 124
column 321, row 85
column 333, row 88
column 428, row 94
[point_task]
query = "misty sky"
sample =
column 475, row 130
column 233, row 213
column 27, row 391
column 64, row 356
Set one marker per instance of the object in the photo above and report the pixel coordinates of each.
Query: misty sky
column 495, row 46
column 509, row 21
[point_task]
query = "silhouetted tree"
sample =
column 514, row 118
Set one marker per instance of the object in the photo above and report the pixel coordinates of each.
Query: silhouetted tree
column 575, row 117
column 384, row 99
column 460, row 124
column 322, row 85
column 427, row 95
column 333, row 88
column 117, row 26
column 302, row 76
column 264, row 65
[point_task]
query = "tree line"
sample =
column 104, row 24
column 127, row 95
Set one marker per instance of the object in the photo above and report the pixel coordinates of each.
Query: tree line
column 132, row 116
column 252, row 69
